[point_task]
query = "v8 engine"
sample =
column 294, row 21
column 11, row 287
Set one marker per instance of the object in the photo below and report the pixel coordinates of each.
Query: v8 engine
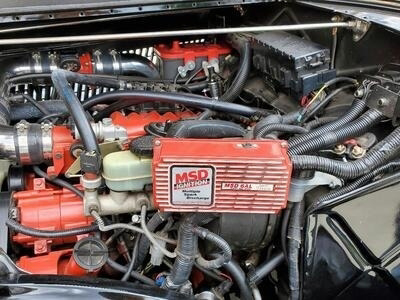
column 207, row 164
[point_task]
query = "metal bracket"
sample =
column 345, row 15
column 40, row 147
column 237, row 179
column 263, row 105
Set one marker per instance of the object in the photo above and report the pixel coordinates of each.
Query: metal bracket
column 298, row 187
column 360, row 29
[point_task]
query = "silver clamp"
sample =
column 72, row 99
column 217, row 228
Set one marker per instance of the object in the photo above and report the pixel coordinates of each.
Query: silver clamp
column 298, row 187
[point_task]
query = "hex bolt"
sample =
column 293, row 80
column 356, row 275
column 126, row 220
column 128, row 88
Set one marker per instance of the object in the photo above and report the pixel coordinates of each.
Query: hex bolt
column 136, row 219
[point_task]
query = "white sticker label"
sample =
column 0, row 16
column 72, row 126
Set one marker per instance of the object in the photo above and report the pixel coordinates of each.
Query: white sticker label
column 240, row 186
column 191, row 185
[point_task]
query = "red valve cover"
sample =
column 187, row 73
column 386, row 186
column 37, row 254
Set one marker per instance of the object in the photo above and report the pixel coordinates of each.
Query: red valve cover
column 191, row 51
column 230, row 175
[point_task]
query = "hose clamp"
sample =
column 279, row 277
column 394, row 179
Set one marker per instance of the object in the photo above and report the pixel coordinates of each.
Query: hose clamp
column 47, row 141
column 22, row 142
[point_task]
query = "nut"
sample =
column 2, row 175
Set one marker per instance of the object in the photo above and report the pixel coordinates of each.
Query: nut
column 340, row 149
column 357, row 152
column 383, row 101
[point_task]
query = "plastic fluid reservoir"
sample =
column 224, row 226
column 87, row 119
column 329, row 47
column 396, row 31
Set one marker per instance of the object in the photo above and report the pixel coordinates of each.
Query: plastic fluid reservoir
column 125, row 171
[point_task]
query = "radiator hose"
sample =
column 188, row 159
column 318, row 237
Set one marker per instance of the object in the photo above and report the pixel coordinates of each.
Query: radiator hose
column 375, row 157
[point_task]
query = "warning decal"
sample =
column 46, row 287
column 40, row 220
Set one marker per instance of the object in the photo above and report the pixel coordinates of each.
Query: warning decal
column 191, row 185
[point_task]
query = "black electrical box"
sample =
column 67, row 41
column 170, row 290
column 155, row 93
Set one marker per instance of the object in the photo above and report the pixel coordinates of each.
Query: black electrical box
column 297, row 64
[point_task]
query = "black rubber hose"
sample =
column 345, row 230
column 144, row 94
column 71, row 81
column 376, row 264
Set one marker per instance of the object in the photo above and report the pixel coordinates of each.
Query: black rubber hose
column 374, row 158
column 50, row 234
column 281, row 128
column 391, row 166
column 240, row 279
column 205, row 129
column 91, row 79
column 128, row 98
column 353, row 129
column 144, row 244
column 294, row 244
column 27, row 111
column 234, row 90
column 355, row 110
column 133, row 274
column 284, row 228
column 266, row 268
column 60, row 80
column 275, row 119
column 215, row 239
column 314, row 109
column 57, row 181
column 206, row 114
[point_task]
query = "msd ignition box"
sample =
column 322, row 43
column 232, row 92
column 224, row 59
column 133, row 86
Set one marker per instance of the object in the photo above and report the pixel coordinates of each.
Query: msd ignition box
column 187, row 58
column 237, row 176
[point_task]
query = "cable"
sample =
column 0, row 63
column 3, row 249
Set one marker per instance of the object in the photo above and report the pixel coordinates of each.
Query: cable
column 133, row 260
column 57, row 181
column 209, row 272
column 103, row 227
column 17, row 227
column 321, row 104
column 150, row 236
column 193, row 76
column 136, row 275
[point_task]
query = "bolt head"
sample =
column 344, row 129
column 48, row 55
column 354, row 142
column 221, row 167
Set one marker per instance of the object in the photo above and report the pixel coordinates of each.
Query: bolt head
column 136, row 219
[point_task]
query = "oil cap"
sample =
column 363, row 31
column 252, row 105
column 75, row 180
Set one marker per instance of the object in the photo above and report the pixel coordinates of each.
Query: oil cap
column 90, row 253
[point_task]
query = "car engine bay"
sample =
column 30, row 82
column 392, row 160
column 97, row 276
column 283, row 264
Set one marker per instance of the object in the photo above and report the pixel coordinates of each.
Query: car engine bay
column 196, row 163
